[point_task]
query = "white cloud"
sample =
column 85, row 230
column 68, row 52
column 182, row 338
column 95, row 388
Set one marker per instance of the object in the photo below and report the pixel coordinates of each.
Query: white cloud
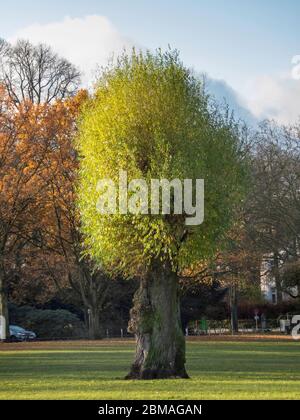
column 90, row 41
column 276, row 98
column 221, row 91
column 87, row 42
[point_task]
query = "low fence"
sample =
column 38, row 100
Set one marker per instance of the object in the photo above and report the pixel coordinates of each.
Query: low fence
column 211, row 327
column 245, row 326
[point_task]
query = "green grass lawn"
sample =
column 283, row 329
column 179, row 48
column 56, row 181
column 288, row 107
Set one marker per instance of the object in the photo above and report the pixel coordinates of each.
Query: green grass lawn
column 218, row 369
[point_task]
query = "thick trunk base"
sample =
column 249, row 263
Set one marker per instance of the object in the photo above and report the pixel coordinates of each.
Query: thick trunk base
column 155, row 320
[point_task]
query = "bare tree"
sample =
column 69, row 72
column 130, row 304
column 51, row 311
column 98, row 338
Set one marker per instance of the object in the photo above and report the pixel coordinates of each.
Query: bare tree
column 272, row 208
column 3, row 47
column 36, row 73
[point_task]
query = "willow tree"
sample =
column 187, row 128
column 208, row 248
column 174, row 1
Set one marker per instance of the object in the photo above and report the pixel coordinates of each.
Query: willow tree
column 150, row 117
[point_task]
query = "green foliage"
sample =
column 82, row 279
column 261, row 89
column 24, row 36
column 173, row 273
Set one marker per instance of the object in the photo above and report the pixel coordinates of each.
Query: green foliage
column 151, row 117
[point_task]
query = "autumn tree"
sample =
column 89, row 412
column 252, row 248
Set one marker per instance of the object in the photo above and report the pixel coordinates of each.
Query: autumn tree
column 43, row 245
column 151, row 118
column 22, row 157
column 32, row 78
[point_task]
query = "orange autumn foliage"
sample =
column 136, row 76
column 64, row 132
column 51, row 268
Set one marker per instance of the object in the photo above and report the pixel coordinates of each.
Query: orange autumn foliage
column 37, row 172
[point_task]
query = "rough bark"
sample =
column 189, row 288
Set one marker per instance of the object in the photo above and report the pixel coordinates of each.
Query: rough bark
column 155, row 320
column 234, row 310
column 4, row 332
column 92, row 289
column 94, row 324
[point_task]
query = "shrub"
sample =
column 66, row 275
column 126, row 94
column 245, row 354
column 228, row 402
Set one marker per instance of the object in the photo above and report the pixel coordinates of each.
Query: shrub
column 271, row 311
column 48, row 324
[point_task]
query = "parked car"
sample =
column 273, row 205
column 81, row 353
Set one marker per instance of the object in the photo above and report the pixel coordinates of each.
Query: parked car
column 20, row 334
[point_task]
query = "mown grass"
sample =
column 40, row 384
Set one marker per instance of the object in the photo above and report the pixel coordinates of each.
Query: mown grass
column 219, row 370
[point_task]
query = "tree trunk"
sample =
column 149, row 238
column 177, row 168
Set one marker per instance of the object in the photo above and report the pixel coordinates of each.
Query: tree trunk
column 234, row 310
column 155, row 320
column 94, row 324
column 277, row 278
column 4, row 323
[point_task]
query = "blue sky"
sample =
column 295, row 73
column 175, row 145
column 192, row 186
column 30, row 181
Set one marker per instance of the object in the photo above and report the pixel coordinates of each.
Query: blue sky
column 242, row 42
